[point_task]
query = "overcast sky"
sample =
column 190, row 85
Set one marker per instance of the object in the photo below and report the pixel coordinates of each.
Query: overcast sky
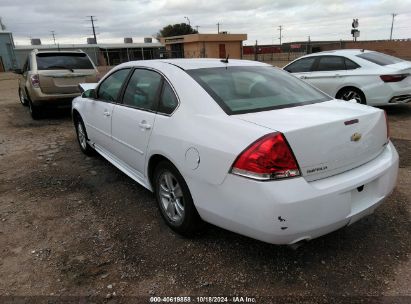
column 116, row 19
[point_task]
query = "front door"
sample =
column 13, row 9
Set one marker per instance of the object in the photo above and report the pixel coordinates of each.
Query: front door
column 221, row 48
column 98, row 111
column 133, row 120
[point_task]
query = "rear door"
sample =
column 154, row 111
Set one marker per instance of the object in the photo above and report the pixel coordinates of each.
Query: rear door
column 61, row 72
column 98, row 111
column 133, row 120
column 328, row 74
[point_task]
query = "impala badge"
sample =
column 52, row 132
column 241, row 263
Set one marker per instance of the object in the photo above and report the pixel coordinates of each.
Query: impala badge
column 356, row 137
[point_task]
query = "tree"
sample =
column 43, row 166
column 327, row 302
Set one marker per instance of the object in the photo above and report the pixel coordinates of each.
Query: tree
column 176, row 30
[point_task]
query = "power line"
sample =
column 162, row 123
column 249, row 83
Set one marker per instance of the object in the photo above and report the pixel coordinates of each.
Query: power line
column 392, row 24
column 94, row 29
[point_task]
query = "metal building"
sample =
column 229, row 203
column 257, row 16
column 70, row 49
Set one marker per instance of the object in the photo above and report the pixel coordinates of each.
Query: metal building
column 8, row 59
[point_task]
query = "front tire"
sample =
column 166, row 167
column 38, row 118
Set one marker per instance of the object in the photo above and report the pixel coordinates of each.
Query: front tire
column 174, row 200
column 352, row 93
column 82, row 137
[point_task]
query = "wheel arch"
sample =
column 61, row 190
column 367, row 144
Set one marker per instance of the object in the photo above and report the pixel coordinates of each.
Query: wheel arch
column 152, row 163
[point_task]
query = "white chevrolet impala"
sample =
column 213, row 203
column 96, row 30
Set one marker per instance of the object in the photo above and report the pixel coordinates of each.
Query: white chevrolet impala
column 239, row 144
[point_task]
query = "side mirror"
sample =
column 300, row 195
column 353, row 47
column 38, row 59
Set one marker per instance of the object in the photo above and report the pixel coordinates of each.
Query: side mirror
column 90, row 94
column 18, row 71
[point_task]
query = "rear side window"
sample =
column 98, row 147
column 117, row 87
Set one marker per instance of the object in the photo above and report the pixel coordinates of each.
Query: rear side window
column 168, row 100
column 350, row 65
column 379, row 58
column 61, row 61
column 252, row 89
column 330, row 63
column 111, row 86
column 302, row 65
column 142, row 90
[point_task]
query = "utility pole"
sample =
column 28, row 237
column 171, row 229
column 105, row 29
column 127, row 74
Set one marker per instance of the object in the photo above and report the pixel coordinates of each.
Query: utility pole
column 54, row 37
column 93, row 27
column 218, row 28
column 280, row 28
column 189, row 23
column 308, row 48
column 197, row 26
column 392, row 24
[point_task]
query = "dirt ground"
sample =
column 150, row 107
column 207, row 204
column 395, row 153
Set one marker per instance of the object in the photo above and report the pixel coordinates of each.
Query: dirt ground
column 72, row 225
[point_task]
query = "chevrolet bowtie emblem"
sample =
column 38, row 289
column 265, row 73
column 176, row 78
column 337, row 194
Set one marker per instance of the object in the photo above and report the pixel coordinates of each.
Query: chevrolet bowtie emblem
column 356, row 137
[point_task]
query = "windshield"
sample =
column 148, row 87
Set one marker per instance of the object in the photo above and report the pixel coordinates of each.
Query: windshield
column 379, row 58
column 241, row 90
column 58, row 61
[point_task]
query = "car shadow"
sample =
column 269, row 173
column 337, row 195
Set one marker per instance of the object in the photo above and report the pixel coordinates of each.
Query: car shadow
column 398, row 111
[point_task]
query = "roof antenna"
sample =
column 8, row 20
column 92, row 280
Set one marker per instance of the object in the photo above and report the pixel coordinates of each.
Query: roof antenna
column 225, row 60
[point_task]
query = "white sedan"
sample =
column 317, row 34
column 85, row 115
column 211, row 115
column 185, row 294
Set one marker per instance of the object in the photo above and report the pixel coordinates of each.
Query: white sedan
column 369, row 77
column 242, row 145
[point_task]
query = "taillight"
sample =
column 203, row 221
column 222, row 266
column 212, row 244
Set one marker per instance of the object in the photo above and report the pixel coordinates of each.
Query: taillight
column 387, row 125
column 393, row 78
column 268, row 158
column 35, row 80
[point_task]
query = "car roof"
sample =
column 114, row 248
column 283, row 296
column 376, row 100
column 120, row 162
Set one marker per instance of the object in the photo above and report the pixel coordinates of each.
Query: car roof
column 342, row 52
column 190, row 64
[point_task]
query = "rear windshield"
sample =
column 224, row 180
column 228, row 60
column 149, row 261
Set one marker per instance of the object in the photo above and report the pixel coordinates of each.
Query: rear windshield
column 58, row 61
column 241, row 90
column 379, row 58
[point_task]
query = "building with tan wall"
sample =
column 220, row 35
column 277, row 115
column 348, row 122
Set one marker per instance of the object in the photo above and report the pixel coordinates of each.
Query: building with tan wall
column 205, row 45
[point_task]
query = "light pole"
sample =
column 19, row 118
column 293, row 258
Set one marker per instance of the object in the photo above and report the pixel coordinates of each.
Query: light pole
column 189, row 23
column 392, row 24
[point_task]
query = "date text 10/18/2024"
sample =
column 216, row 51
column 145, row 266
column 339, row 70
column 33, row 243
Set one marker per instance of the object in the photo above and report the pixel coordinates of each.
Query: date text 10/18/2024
column 235, row 299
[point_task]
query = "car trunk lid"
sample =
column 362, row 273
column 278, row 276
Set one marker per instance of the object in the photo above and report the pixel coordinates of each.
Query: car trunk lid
column 327, row 138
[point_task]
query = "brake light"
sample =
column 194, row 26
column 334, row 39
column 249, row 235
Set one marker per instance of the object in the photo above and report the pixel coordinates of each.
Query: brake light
column 268, row 158
column 393, row 78
column 387, row 126
column 35, row 80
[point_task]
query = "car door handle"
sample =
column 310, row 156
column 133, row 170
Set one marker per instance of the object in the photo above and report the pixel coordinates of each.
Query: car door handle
column 106, row 113
column 303, row 77
column 144, row 125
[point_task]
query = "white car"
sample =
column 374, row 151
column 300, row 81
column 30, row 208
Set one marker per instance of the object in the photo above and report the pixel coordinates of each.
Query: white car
column 369, row 77
column 242, row 145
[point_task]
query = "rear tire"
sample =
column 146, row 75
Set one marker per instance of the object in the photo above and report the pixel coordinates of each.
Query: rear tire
column 351, row 93
column 23, row 100
column 174, row 200
column 82, row 137
column 35, row 111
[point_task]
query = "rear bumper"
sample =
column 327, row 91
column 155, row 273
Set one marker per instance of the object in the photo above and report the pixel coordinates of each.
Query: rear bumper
column 42, row 99
column 285, row 212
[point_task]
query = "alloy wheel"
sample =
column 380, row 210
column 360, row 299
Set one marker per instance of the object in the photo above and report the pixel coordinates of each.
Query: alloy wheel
column 81, row 136
column 171, row 197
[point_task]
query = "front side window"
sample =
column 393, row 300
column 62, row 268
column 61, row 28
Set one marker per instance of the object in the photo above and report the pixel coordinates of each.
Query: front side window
column 168, row 100
column 331, row 63
column 111, row 86
column 252, row 89
column 380, row 58
column 302, row 65
column 61, row 61
column 142, row 90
